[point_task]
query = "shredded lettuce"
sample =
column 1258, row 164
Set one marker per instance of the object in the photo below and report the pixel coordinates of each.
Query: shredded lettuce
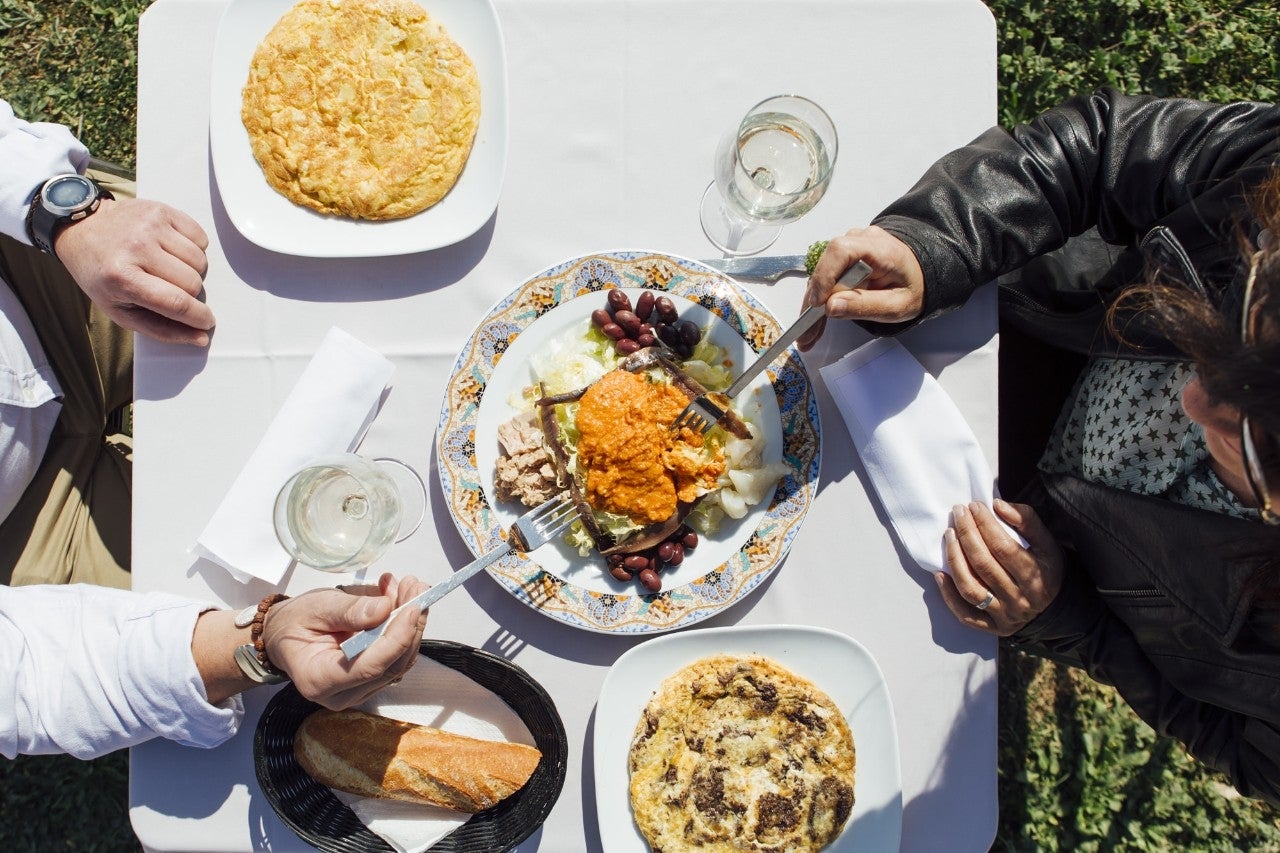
column 619, row 526
column 575, row 360
column 707, row 366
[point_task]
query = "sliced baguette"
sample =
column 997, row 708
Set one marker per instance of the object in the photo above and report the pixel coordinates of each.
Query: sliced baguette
column 380, row 757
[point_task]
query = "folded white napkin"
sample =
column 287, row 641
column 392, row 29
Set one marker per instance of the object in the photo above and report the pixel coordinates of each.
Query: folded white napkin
column 919, row 452
column 328, row 411
column 435, row 695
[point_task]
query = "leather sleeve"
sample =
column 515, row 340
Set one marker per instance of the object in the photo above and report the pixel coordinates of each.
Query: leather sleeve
column 1114, row 161
column 1123, row 542
column 1080, row 630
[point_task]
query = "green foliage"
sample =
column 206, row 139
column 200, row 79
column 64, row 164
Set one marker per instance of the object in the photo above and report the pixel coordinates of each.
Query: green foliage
column 1209, row 49
column 815, row 252
column 1080, row 772
column 75, row 62
column 54, row 802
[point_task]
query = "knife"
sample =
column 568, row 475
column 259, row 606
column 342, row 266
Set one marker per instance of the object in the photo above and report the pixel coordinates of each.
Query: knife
column 768, row 269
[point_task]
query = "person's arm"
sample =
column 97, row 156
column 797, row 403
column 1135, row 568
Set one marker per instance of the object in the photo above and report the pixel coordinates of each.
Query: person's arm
column 303, row 635
column 1079, row 626
column 1113, row 161
column 31, row 153
column 141, row 261
column 1042, row 599
column 93, row 670
column 90, row 670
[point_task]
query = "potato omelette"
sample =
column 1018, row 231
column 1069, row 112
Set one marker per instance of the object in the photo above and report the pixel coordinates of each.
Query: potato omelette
column 361, row 108
column 738, row 753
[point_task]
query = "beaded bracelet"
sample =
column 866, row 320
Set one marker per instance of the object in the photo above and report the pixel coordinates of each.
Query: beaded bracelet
column 252, row 656
column 255, row 631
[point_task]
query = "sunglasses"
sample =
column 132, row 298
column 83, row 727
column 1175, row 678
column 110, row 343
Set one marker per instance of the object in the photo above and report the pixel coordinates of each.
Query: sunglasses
column 1253, row 459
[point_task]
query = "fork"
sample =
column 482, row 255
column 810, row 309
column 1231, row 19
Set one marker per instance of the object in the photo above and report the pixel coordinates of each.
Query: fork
column 706, row 409
column 531, row 531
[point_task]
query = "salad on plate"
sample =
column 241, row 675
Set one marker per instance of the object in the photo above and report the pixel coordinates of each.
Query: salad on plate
column 595, row 421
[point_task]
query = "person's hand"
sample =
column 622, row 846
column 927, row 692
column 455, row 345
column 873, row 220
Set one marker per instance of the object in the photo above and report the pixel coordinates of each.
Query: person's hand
column 143, row 263
column 984, row 559
column 303, row 637
column 893, row 293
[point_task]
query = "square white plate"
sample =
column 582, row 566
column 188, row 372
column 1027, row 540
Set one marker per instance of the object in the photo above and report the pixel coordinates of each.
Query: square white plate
column 836, row 663
column 273, row 222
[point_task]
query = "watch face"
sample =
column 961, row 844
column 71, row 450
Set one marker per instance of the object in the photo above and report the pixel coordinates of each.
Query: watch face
column 68, row 193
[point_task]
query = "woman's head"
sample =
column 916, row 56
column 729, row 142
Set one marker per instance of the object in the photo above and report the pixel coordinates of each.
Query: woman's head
column 1236, row 352
column 1237, row 356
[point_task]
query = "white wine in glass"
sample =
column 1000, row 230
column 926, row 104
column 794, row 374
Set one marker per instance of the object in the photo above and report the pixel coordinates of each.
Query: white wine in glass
column 771, row 170
column 341, row 513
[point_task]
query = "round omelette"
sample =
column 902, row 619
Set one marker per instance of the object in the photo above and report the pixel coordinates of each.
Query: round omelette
column 737, row 753
column 361, row 108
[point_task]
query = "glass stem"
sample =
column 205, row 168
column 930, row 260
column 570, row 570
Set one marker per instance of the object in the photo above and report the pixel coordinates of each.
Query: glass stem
column 736, row 230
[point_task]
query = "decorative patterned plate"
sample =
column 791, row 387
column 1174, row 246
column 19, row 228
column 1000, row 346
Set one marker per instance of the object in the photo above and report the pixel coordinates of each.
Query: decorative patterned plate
column 494, row 366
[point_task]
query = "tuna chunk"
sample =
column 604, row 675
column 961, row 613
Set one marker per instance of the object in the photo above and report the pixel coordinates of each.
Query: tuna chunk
column 525, row 470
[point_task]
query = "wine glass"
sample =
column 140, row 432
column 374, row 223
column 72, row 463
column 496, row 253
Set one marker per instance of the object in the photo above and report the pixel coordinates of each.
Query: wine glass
column 770, row 170
column 342, row 512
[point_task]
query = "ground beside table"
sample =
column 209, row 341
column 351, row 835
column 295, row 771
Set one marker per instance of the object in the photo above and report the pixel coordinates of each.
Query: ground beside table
column 615, row 109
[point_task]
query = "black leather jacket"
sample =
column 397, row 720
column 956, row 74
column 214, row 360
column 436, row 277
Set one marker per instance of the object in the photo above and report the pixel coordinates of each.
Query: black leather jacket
column 1156, row 599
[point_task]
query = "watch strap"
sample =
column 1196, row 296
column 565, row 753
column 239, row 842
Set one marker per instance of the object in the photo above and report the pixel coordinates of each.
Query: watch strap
column 251, row 657
column 247, row 660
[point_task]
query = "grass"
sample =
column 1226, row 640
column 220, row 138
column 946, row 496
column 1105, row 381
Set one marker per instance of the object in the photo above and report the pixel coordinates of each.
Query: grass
column 53, row 802
column 1078, row 771
column 75, row 62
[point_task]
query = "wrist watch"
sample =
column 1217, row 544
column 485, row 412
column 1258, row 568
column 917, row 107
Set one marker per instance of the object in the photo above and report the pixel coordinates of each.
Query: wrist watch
column 247, row 656
column 60, row 200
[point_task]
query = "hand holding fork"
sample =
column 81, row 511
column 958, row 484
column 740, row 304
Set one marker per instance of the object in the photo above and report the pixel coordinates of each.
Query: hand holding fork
column 707, row 409
column 531, row 531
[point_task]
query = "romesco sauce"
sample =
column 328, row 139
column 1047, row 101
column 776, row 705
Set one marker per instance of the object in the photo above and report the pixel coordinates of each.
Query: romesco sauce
column 631, row 457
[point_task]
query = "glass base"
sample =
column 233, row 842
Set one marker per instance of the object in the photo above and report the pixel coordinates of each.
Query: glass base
column 729, row 234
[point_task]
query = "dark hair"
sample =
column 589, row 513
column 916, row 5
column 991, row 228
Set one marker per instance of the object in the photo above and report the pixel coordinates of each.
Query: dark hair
column 1244, row 377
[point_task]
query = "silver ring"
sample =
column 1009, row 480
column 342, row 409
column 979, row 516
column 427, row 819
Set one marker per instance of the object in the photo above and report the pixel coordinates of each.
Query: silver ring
column 393, row 682
column 986, row 602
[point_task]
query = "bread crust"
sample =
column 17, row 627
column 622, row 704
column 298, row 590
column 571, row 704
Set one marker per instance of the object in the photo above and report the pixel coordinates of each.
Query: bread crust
column 361, row 108
column 388, row 759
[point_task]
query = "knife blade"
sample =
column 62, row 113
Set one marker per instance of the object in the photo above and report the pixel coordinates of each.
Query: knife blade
column 768, row 268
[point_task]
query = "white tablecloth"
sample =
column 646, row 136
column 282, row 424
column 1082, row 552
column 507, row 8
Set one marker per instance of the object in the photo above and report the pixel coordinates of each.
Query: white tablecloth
column 615, row 109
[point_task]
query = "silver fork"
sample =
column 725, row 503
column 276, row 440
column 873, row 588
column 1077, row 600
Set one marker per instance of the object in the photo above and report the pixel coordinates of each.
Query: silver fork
column 705, row 409
column 531, row 531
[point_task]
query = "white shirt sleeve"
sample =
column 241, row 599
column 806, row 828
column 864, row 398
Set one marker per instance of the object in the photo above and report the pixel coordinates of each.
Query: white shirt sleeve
column 30, row 401
column 92, row 670
column 30, row 154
